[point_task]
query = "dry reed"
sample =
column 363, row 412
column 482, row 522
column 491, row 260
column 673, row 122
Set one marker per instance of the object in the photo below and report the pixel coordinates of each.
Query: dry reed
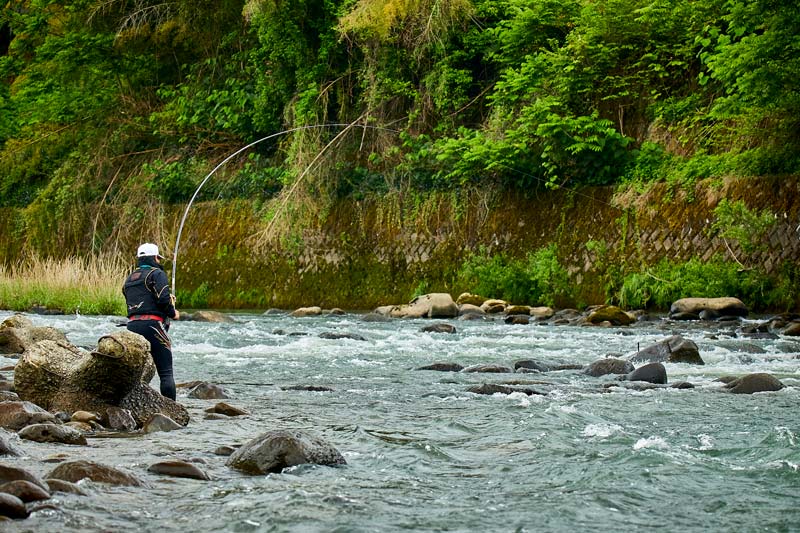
column 90, row 285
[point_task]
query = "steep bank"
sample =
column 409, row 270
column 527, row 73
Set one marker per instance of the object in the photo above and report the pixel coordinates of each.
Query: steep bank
column 359, row 254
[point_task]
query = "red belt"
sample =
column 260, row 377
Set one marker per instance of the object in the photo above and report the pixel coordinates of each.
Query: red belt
column 146, row 317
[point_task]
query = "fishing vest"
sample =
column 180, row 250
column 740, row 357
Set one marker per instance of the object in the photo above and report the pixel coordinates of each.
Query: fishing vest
column 139, row 293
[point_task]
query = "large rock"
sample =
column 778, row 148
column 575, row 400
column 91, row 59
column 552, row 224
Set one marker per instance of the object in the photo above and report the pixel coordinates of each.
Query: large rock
column 25, row 490
column 307, row 311
column 17, row 334
column 433, row 305
column 178, row 468
column 12, row 507
column 610, row 313
column 60, row 377
column 74, row 471
column 13, row 473
column 752, row 383
column 674, row 349
column 52, row 433
column 470, row 299
column 715, row 307
column 208, row 391
column 17, row 415
column 609, row 365
column 211, row 316
column 8, row 446
column 275, row 450
column 651, row 373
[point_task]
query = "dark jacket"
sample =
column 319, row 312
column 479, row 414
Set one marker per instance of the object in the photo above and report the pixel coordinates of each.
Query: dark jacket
column 147, row 291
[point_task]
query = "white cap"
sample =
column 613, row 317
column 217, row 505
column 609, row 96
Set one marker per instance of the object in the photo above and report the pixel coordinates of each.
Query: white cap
column 147, row 249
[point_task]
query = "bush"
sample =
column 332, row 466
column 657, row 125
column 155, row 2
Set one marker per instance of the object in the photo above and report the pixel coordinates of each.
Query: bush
column 667, row 281
column 538, row 279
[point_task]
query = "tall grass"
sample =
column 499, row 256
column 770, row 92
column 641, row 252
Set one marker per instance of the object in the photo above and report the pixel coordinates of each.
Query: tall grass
column 89, row 286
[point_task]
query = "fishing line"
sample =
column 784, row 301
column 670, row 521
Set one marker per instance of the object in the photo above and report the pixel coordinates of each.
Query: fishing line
column 239, row 151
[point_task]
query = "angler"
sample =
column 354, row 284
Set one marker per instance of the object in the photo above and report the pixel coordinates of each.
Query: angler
column 150, row 307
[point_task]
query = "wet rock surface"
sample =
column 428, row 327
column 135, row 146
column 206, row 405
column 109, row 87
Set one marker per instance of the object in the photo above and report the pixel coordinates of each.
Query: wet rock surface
column 61, row 377
column 273, row 451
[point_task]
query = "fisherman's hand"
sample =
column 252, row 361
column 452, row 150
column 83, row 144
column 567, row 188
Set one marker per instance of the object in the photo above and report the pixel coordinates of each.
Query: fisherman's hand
column 177, row 315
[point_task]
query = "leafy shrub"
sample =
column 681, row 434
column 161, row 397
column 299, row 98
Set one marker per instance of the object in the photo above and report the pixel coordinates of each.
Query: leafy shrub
column 667, row 281
column 539, row 278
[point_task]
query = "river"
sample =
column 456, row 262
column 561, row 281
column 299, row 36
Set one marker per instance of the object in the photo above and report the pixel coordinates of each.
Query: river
column 424, row 454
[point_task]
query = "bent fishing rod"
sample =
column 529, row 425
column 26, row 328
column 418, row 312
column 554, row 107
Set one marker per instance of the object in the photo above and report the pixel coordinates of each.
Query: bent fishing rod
column 239, row 151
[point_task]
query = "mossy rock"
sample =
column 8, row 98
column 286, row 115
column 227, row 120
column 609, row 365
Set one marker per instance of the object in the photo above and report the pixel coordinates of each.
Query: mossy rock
column 610, row 313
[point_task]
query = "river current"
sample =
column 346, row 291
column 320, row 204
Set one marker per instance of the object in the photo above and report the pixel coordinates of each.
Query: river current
column 424, row 454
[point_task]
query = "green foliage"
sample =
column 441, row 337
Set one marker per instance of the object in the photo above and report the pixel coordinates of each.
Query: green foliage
column 659, row 286
column 196, row 299
column 745, row 226
column 172, row 182
column 538, row 279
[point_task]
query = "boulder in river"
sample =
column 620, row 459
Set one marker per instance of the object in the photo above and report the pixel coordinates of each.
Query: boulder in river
column 61, row 377
column 752, row 383
column 211, row 316
column 303, row 312
column 25, row 490
column 609, row 313
column 12, row 507
column 177, row 468
column 433, row 305
column 466, row 298
column 443, row 367
column 439, row 327
column 59, row 485
column 53, row 433
column 673, row 349
column 74, row 471
column 609, row 365
column 158, row 422
column 15, row 415
column 273, row 451
column 792, row 329
column 488, row 368
column 226, row 409
column 13, row 473
column 17, row 333
column 651, row 373
column 8, row 446
column 208, row 391
column 715, row 307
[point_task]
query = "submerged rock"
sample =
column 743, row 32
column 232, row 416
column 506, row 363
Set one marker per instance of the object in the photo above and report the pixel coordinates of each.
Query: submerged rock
column 178, row 469
column 59, row 485
column 308, row 388
column 273, row 451
column 226, row 409
column 74, row 471
column 443, row 367
column 674, row 349
column 208, row 391
column 752, row 383
column 441, row 327
column 338, row 335
column 488, row 368
column 530, row 365
column 158, row 422
column 61, row 377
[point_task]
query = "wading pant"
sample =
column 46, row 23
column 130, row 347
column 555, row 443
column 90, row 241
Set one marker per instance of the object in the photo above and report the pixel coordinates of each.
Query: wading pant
column 161, row 350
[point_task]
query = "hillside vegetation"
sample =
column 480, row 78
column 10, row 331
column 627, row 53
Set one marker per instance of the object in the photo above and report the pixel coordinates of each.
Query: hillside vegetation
column 111, row 110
